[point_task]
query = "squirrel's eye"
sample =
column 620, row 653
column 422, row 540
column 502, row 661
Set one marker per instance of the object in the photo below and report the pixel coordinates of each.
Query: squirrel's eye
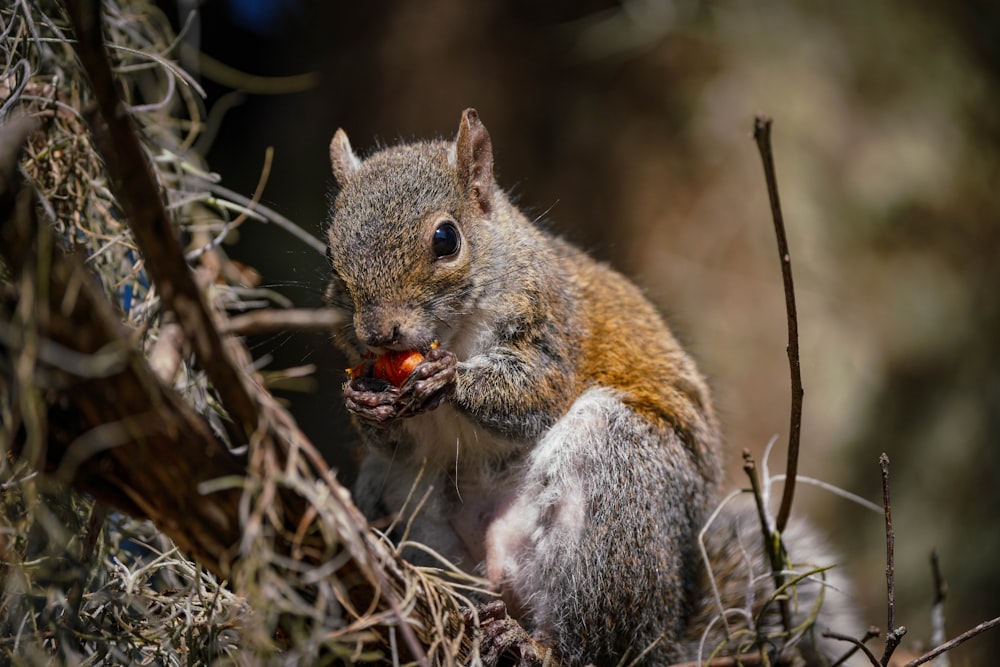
column 446, row 240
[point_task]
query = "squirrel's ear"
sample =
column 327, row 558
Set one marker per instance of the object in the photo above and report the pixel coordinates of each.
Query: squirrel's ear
column 342, row 157
column 474, row 158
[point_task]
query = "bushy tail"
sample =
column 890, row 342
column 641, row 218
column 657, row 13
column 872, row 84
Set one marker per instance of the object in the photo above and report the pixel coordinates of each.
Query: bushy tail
column 741, row 606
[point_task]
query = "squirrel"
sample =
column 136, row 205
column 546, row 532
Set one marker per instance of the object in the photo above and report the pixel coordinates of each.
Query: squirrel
column 565, row 445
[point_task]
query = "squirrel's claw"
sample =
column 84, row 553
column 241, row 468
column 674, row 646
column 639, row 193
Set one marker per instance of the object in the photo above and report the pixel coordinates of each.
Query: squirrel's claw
column 429, row 384
column 505, row 641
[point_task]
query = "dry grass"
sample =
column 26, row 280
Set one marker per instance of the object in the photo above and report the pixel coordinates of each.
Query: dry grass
column 83, row 584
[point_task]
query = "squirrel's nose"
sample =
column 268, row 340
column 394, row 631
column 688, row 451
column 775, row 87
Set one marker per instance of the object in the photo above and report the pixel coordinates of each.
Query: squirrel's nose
column 378, row 329
column 385, row 336
column 383, row 327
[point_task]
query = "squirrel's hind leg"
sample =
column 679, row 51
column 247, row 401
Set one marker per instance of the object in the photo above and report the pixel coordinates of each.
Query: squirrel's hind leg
column 595, row 549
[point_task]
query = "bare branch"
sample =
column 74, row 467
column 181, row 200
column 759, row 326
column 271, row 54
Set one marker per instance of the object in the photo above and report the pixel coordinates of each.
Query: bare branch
column 947, row 646
column 893, row 635
column 762, row 135
column 751, row 660
column 318, row 320
column 858, row 645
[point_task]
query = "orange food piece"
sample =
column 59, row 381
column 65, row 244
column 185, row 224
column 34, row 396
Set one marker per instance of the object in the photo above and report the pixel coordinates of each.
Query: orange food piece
column 395, row 367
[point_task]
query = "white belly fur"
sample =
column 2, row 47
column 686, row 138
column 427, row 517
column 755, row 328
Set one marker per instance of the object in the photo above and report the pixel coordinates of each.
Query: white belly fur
column 504, row 520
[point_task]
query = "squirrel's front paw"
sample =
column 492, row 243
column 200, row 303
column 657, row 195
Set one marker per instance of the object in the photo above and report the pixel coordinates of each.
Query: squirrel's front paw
column 379, row 401
column 372, row 399
column 431, row 382
column 505, row 641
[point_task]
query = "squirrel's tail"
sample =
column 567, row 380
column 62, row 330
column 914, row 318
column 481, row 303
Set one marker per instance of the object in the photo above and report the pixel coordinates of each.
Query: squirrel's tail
column 741, row 605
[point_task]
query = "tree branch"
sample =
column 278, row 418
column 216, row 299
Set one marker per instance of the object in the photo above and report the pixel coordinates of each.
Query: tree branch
column 319, row 320
column 138, row 193
column 893, row 635
column 762, row 135
column 859, row 645
column 947, row 646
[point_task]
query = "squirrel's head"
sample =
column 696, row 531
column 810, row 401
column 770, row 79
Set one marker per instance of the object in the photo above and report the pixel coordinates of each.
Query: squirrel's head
column 403, row 236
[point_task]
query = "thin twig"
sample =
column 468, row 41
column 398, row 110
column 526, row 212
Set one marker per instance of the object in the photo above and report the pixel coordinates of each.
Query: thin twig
column 772, row 540
column 319, row 320
column 890, row 543
column 258, row 192
column 893, row 635
column 762, row 135
column 947, row 646
column 750, row 660
column 858, row 644
column 269, row 215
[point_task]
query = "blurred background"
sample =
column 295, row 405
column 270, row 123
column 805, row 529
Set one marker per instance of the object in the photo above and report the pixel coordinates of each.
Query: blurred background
column 627, row 125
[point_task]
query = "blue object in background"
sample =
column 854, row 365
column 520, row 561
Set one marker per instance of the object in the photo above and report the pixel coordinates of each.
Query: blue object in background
column 263, row 17
column 128, row 288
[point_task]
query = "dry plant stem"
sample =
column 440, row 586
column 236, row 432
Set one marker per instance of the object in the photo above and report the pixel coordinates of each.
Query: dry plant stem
column 104, row 423
column 315, row 320
column 145, row 422
column 893, row 634
column 858, row 645
column 98, row 513
column 272, row 216
column 137, row 191
column 743, row 661
column 749, row 660
column 235, row 223
column 102, row 432
column 772, row 541
column 116, row 432
column 762, row 135
column 947, row 646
